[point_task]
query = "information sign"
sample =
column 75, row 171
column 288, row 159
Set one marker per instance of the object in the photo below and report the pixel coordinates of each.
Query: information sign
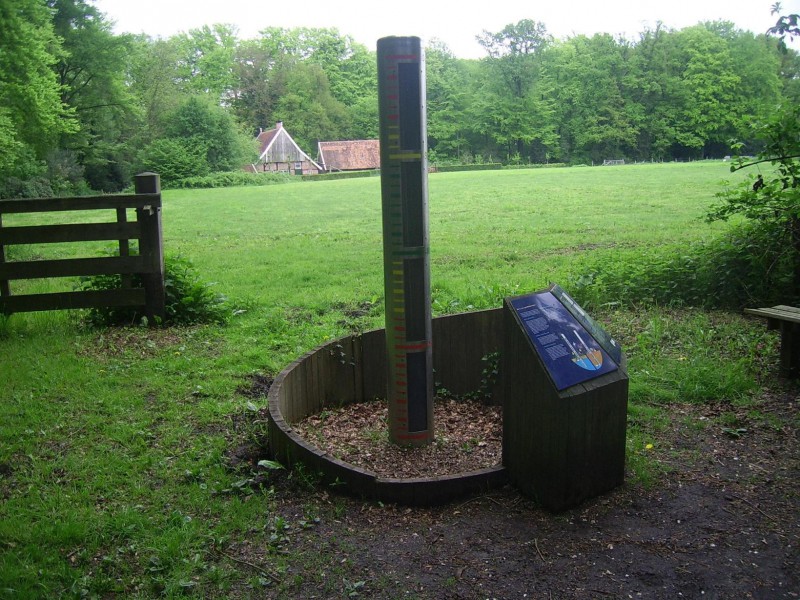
column 570, row 353
column 606, row 342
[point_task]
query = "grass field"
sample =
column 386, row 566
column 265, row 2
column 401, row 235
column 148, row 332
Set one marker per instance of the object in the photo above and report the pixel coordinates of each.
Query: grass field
column 113, row 472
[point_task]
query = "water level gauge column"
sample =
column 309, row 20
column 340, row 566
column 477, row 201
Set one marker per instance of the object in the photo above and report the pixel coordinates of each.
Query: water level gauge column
column 404, row 193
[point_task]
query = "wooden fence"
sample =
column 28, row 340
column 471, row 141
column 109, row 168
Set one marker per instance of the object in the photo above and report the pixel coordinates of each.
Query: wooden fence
column 148, row 263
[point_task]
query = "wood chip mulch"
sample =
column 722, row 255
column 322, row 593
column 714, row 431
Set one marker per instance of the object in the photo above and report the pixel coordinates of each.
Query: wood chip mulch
column 468, row 437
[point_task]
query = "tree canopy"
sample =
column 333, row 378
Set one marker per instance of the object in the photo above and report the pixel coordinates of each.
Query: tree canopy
column 82, row 107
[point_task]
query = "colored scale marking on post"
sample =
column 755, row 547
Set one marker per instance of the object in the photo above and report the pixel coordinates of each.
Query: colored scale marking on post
column 401, row 91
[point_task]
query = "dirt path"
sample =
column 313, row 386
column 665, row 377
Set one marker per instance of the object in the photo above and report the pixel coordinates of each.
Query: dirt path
column 722, row 521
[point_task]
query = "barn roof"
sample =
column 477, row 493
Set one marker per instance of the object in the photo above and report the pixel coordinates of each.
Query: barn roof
column 276, row 145
column 350, row 155
column 265, row 139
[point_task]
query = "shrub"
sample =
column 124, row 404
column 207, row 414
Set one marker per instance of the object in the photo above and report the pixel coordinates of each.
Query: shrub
column 174, row 159
column 230, row 179
column 479, row 167
column 188, row 300
column 536, row 166
column 342, row 175
column 750, row 264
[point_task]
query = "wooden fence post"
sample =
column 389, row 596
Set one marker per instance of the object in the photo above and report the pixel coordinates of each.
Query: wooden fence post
column 124, row 246
column 5, row 289
column 151, row 247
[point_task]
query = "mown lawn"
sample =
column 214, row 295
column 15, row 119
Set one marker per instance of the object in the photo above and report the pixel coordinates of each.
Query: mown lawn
column 114, row 444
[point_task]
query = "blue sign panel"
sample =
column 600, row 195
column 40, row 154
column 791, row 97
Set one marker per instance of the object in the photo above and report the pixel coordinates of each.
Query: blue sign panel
column 606, row 342
column 569, row 352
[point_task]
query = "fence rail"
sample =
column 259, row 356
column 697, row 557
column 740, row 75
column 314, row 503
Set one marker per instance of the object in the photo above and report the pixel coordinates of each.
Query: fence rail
column 148, row 263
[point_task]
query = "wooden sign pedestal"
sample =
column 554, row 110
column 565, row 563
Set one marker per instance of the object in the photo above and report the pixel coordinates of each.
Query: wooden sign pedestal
column 559, row 447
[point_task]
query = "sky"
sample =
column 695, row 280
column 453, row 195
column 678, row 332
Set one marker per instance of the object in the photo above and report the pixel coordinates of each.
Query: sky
column 454, row 22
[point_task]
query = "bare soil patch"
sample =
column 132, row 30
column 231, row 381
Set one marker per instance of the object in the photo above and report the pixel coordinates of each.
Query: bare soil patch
column 721, row 521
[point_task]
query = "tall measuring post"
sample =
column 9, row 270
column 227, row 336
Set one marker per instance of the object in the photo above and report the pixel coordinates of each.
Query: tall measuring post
column 406, row 266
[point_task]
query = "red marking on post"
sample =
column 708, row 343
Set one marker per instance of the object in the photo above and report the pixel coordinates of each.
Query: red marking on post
column 402, row 57
column 414, row 347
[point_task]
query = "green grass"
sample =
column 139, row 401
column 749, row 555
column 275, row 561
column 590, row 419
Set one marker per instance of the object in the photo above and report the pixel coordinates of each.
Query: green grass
column 114, row 477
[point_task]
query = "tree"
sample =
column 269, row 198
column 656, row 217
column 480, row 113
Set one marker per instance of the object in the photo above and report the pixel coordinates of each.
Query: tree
column 32, row 114
column 772, row 197
column 153, row 82
column 175, row 159
column 448, row 91
column 206, row 61
column 709, row 91
column 260, row 82
column 210, row 127
column 309, row 110
column 91, row 72
column 307, row 78
column 515, row 96
column 594, row 121
column 653, row 91
column 757, row 63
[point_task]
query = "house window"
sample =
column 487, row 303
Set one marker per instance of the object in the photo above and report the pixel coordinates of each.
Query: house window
column 298, row 165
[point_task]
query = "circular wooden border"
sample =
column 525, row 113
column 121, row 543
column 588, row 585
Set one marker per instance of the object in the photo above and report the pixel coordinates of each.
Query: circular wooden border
column 353, row 369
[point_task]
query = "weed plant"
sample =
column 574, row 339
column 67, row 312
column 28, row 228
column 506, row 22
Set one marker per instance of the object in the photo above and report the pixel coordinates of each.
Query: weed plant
column 188, row 299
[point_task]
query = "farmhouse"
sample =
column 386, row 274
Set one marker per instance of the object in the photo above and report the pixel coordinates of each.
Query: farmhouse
column 278, row 152
column 353, row 155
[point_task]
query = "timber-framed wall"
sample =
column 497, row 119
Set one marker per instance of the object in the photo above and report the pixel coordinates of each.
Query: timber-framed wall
column 148, row 263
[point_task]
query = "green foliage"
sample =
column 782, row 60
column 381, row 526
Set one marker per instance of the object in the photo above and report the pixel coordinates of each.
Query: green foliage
column 175, row 159
column 746, row 266
column 341, row 175
column 212, row 133
column 206, row 63
column 32, row 114
column 308, row 108
column 188, row 300
column 91, row 73
column 480, row 167
column 230, row 179
column 773, row 197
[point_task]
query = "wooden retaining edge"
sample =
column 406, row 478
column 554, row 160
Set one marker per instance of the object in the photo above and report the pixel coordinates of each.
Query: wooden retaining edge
column 342, row 370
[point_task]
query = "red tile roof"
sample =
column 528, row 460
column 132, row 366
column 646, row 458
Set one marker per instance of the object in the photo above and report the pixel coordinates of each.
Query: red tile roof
column 350, row 155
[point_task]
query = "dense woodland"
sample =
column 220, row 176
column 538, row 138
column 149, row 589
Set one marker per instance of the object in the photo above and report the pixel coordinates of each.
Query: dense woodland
column 82, row 108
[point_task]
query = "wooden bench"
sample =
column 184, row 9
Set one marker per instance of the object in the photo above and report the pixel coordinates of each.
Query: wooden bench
column 787, row 319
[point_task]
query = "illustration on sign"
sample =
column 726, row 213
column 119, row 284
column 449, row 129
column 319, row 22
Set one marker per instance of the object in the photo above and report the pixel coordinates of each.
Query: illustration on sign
column 606, row 342
column 570, row 353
